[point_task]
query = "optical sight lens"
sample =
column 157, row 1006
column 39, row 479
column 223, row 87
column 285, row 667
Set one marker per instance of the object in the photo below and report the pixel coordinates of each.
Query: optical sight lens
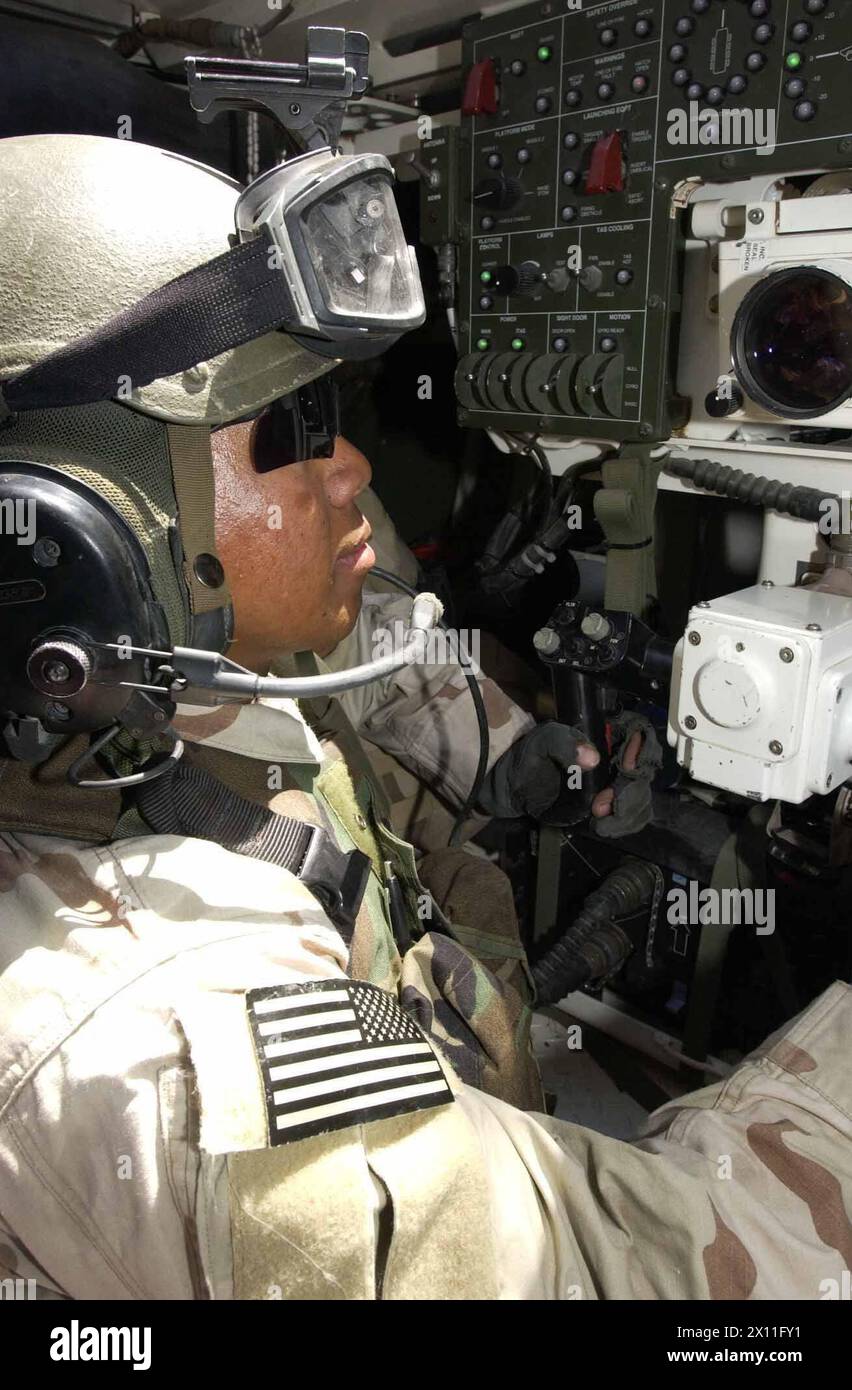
column 792, row 342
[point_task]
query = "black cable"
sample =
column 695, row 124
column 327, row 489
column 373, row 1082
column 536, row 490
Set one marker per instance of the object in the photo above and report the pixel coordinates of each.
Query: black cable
column 481, row 715
column 807, row 503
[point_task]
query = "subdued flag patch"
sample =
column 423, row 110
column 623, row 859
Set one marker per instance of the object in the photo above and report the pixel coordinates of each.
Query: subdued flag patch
column 336, row 1053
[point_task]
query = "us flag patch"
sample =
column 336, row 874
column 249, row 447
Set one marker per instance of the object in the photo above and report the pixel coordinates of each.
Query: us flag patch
column 336, row 1053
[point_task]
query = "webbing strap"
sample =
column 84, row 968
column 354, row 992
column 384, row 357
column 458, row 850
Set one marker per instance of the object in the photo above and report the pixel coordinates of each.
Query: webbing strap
column 624, row 506
column 189, row 801
column 216, row 306
column 192, row 476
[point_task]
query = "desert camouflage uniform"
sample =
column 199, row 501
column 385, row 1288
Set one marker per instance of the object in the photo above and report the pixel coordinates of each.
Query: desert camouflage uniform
column 425, row 770
column 134, row 1154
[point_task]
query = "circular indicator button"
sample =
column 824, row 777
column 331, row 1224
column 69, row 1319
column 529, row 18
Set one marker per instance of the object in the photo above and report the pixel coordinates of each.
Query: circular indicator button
column 805, row 110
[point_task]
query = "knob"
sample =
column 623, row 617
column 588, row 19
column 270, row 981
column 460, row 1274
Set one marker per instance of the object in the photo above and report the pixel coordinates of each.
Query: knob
column 547, row 641
column 59, row 668
column 529, row 275
column 498, row 192
column 559, row 279
column 503, row 279
column 591, row 278
column 596, row 627
column 719, row 404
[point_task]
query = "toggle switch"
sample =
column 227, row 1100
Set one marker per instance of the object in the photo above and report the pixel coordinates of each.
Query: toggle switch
column 606, row 170
column 480, row 90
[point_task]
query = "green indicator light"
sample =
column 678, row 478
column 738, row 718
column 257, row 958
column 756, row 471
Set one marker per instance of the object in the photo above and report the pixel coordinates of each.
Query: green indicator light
column 517, row 344
column 793, row 61
column 544, row 53
column 482, row 344
column 485, row 277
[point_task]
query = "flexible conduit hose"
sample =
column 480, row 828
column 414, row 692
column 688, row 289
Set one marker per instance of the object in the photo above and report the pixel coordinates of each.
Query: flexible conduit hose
column 595, row 945
column 806, row 503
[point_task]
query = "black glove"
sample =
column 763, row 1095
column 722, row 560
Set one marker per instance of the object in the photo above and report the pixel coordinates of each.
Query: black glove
column 631, row 809
column 531, row 775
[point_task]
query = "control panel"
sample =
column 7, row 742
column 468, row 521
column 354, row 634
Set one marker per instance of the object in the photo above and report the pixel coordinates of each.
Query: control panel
column 581, row 125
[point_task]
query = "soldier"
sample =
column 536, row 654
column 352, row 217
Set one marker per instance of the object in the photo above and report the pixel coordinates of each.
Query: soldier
column 208, row 1088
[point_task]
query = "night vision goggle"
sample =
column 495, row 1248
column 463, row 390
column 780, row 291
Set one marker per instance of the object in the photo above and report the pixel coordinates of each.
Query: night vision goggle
column 318, row 252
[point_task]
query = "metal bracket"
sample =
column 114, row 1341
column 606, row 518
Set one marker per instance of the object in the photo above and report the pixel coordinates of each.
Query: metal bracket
column 307, row 98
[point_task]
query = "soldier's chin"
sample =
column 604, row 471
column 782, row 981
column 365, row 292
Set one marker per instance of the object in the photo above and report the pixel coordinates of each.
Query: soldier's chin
column 345, row 619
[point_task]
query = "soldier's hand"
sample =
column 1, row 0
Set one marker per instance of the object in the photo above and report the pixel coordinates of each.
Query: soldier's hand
column 530, row 777
column 626, row 807
column 535, row 773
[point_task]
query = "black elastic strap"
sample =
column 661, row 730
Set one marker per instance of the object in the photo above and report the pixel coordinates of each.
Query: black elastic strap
column 189, row 801
column 629, row 545
column 214, row 307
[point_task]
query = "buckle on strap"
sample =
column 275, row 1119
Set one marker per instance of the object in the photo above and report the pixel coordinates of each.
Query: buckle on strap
column 336, row 877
